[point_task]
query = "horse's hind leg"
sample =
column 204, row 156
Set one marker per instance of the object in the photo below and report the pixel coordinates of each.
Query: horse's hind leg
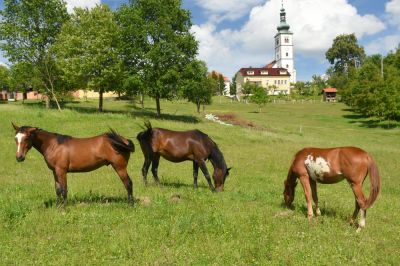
column 203, row 168
column 313, row 185
column 123, row 175
column 360, row 199
column 355, row 213
column 154, row 167
column 195, row 174
column 145, row 169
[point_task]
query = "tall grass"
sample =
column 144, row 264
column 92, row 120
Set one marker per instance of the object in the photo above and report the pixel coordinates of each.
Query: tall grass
column 174, row 224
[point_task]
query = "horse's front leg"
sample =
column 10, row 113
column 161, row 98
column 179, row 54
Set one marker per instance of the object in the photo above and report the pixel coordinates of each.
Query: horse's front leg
column 195, row 174
column 313, row 185
column 305, row 182
column 60, row 178
column 203, row 168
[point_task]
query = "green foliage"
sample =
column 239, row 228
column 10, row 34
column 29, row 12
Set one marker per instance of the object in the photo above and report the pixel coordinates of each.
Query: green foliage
column 4, row 77
column 197, row 86
column 232, row 89
column 372, row 94
column 28, row 30
column 345, row 53
column 160, row 32
column 259, row 96
column 87, row 50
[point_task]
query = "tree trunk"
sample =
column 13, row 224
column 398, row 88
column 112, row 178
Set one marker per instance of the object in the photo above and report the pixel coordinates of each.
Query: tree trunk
column 198, row 107
column 142, row 100
column 101, row 100
column 158, row 106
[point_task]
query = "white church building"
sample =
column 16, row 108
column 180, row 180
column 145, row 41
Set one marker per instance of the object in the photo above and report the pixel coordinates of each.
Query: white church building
column 276, row 76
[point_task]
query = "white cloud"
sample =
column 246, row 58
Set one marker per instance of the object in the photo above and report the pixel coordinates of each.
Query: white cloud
column 81, row 3
column 314, row 23
column 392, row 8
column 383, row 45
column 227, row 9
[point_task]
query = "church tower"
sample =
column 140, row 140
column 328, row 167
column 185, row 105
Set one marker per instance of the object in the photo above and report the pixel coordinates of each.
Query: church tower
column 284, row 55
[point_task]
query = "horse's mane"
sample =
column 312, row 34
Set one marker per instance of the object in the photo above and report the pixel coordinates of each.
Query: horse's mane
column 216, row 155
column 146, row 134
column 118, row 142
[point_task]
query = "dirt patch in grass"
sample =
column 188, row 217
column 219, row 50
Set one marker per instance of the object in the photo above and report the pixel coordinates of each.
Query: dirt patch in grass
column 234, row 120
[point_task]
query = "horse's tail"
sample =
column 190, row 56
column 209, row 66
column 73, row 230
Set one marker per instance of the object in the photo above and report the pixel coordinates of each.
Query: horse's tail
column 119, row 143
column 146, row 135
column 375, row 180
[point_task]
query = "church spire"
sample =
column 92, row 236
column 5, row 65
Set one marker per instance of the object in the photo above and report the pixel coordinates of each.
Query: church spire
column 283, row 26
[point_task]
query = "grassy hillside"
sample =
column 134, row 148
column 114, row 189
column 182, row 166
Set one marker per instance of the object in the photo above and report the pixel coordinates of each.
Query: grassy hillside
column 173, row 224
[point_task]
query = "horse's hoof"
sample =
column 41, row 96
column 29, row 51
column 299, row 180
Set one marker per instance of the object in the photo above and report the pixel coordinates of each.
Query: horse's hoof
column 358, row 230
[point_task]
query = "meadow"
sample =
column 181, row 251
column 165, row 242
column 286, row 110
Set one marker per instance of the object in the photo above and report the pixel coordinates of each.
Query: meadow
column 173, row 224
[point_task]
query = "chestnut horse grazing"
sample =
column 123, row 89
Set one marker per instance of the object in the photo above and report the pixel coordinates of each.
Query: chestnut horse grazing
column 179, row 146
column 65, row 154
column 331, row 165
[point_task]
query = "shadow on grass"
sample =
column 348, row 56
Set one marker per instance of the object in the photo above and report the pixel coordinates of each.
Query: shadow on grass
column 366, row 121
column 88, row 199
column 146, row 113
column 179, row 185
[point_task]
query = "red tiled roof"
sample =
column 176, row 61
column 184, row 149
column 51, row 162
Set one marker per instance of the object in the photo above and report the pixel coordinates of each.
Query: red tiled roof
column 271, row 64
column 329, row 90
column 271, row 71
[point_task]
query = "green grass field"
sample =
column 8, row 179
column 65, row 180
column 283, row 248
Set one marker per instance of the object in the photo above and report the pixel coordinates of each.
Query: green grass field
column 244, row 225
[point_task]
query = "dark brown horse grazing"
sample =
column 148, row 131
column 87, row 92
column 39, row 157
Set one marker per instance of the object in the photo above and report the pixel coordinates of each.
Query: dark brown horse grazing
column 65, row 154
column 331, row 165
column 179, row 146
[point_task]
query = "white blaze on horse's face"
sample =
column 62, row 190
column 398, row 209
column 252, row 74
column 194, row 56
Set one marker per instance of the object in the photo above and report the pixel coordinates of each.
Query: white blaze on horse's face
column 317, row 169
column 19, row 137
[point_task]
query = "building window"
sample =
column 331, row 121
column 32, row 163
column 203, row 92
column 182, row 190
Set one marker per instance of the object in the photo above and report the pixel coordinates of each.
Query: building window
column 287, row 54
column 264, row 72
column 286, row 39
column 275, row 82
column 287, row 66
column 283, row 72
column 277, row 41
column 250, row 72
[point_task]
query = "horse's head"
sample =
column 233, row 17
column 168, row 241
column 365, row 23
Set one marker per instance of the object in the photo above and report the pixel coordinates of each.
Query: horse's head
column 220, row 177
column 288, row 193
column 23, row 139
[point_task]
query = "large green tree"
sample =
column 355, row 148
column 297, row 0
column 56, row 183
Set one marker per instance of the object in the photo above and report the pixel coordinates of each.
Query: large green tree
column 28, row 30
column 4, row 77
column 87, row 51
column 197, row 86
column 345, row 53
column 159, row 31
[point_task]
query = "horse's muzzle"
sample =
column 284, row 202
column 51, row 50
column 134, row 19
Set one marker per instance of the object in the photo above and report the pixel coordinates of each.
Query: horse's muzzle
column 20, row 158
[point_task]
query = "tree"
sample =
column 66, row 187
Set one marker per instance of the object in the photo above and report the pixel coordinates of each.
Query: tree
column 28, row 30
column 160, row 32
column 4, row 77
column 345, row 53
column 259, row 96
column 198, row 86
column 87, row 51
column 232, row 89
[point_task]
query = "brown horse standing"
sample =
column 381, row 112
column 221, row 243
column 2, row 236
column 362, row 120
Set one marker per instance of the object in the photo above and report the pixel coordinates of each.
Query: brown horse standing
column 331, row 165
column 179, row 146
column 65, row 154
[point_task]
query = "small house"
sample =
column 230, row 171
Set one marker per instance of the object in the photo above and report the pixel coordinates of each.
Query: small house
column 329, row 94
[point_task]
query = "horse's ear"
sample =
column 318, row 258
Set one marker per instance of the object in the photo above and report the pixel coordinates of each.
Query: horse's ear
column 15, row 126
column 32, row 129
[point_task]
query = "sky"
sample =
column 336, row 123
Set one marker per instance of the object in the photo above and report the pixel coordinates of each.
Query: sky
column 240, row 33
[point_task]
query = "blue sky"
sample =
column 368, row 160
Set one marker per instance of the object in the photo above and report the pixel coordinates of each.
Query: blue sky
column 239, row 33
